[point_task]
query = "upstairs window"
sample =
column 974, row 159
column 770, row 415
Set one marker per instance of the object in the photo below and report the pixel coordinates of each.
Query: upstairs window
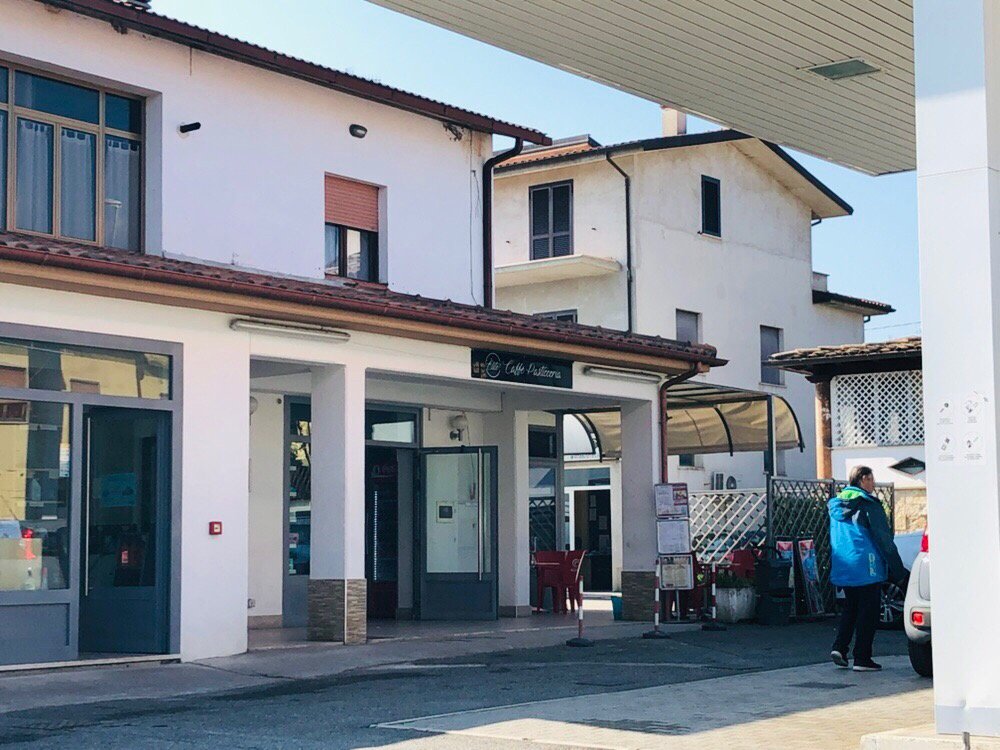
column 688, row 326
column 770, row 343
column 711, row 206
column 551, row 220
column 351, row 229
column 75, row 159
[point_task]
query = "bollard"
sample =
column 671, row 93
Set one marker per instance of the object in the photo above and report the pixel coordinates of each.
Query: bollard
column 579, row 641
column 713, row 623
column 656, row 632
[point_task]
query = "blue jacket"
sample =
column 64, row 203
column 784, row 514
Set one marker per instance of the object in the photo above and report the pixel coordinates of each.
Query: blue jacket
column 862, row 549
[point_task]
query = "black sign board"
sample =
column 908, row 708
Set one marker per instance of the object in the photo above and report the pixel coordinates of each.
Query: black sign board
column 490, row 364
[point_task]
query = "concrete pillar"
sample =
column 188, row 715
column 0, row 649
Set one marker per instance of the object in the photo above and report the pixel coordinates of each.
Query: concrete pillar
column 509, row 432
column 640, row 470
column 337, row 586
column 824, row 431
column 615, row 471
column 958, row 191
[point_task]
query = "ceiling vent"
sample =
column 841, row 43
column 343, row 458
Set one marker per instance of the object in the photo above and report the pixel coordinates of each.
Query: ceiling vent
column 837, row 71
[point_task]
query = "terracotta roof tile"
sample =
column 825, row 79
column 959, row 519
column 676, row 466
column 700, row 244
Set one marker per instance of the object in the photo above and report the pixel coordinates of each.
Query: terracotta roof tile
column 342, row 294
column 904, row 347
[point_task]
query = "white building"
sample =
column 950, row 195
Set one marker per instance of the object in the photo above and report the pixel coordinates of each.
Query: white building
column 870, row 403
column 714, row 229
column 231, row 390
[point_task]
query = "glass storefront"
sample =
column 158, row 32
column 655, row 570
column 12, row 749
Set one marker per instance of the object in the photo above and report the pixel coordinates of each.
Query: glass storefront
column 51, row 393
column 34, row 495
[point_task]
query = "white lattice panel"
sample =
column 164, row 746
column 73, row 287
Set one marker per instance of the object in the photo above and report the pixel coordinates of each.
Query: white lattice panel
column 878, row 408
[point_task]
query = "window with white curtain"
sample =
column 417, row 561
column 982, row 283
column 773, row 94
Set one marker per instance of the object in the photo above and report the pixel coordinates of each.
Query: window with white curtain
column 75, row 158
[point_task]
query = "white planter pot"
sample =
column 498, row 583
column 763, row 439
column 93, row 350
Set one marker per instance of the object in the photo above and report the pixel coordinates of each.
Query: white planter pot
column 735, row 605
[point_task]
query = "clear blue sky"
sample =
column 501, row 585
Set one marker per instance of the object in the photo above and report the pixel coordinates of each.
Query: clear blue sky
column 870, row 254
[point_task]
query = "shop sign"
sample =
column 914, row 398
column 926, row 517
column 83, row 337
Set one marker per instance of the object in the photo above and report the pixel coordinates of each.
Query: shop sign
column 490, row 364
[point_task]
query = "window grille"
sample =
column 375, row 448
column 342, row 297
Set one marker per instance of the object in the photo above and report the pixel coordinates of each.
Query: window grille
column 878, row 408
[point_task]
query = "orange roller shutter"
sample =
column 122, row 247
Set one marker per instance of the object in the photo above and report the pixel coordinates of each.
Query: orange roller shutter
column 352, row 204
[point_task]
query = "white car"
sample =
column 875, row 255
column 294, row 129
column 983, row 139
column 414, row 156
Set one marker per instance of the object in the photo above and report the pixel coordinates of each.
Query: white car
column 891, row 612
column 917, row 612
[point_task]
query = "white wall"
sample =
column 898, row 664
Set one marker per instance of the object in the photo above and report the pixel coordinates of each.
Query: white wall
column 248, row 187
column 267, row 505
column 214, row 454
column 880, row 459
column 758, row 273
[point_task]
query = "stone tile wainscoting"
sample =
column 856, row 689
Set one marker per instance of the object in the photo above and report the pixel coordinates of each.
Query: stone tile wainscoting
column 338, row 610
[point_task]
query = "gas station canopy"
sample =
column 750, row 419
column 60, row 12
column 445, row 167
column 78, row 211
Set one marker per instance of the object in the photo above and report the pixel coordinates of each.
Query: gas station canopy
column 833, row 78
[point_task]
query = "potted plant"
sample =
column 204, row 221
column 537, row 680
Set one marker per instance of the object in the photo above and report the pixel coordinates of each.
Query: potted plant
column 735, row 598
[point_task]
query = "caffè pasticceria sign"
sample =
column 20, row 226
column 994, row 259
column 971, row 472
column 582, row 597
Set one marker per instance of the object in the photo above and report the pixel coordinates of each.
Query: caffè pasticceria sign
column 490, row 364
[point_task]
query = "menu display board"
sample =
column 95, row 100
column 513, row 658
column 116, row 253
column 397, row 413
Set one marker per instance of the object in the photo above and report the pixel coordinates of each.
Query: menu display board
column 671, row 500
column 676, row 572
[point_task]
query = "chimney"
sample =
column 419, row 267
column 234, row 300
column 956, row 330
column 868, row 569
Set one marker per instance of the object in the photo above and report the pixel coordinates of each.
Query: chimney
column 674, row 121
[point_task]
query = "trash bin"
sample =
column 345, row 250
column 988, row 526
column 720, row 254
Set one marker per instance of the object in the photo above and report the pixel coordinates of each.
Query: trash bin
column 773, row 576
column 616, row 607
column 774, row 609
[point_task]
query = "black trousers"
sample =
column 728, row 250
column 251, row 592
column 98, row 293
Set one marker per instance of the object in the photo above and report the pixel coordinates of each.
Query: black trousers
column 859, row 620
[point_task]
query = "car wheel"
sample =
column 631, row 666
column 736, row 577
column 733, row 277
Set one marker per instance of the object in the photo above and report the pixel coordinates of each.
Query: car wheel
column 890, row 615
column 920, row 658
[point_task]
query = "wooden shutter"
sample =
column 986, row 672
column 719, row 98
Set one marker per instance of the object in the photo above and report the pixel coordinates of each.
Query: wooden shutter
column 351, row 204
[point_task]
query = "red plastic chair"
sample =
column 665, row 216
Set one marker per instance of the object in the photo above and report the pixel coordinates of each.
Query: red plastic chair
column 549, row 575
column 571, row 570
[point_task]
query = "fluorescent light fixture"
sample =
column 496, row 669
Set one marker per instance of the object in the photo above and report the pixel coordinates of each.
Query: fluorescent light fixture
column 615, row 374
column 841, row 69
column 299, row 331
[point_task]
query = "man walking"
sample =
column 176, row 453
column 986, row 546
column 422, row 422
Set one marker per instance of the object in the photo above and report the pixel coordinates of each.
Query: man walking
column 864, row 556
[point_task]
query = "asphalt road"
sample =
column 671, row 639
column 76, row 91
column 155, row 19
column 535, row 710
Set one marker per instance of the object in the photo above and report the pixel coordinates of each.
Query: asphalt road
column 342, row 711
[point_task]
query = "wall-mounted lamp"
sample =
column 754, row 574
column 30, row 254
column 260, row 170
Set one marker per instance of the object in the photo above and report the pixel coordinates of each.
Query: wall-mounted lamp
column 189, row 127
column 301, row 331
column 459, row 425
column 358, row 131
column 615, row 373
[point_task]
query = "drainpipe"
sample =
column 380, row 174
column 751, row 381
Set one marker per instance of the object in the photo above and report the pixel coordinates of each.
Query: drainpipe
column 628, row 239
column 664, row 387
column 488, row 217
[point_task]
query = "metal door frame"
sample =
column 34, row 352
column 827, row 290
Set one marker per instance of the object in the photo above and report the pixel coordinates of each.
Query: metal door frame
column 420, row 517
column 70, row 596
column 164, row 528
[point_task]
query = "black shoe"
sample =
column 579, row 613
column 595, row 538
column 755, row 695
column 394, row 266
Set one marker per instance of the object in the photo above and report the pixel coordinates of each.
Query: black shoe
column 838, row 658
column 866, row 666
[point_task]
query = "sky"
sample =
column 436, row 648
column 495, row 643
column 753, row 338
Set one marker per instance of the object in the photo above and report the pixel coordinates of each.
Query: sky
column 872, row 254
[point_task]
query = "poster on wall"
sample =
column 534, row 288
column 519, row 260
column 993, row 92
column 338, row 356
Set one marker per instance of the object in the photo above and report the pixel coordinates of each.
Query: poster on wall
column 785, row 550
column 671, row 500
column 673, row 536
column 676, row 572
column 810, row 576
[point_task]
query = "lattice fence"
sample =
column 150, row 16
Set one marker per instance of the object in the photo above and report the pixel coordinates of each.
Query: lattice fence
column 542, row 523
column 725, row 521
column 798, row 509
column 879, row 408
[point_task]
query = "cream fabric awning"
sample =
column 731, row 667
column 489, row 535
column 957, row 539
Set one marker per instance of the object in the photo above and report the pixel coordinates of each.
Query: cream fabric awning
column 702, row 418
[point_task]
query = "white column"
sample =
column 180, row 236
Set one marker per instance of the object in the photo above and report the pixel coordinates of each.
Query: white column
column 640, row 469
column 337, row 586
column 509, row 432
column 959, row 218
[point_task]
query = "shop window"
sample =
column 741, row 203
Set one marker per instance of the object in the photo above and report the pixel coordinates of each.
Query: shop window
column 388, row 426
column 77, row 166
column 542, row 444
column 65, row 367
column 34, row 495
column 551, row 220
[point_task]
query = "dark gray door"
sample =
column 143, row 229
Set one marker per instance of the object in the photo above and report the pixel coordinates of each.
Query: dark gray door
column 126, row 534
column 457, row 534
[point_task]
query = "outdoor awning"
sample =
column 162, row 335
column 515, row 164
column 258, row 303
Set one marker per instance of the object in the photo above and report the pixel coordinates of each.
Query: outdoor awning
column 701, row 418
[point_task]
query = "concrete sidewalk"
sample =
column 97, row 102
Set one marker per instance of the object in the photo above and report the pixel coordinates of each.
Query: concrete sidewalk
column 301, row 661
column 802, row 708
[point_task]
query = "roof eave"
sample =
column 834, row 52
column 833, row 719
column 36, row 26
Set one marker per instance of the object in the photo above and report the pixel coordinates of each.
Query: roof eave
column 124, row 17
